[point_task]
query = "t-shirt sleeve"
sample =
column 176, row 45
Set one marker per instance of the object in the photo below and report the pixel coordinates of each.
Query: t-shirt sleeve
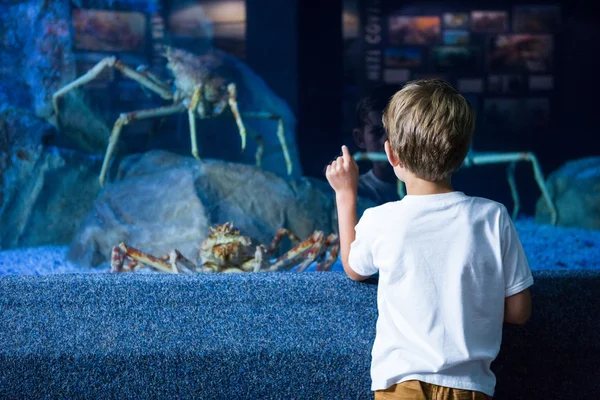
column 517, row 274
column 360, row 257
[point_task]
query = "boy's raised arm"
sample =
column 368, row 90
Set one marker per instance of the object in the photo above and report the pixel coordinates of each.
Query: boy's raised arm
column 347, row 220
column 342, row 175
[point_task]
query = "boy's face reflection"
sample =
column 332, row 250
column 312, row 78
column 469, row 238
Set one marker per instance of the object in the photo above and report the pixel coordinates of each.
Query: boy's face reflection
column 374, row 135
column 372, row 138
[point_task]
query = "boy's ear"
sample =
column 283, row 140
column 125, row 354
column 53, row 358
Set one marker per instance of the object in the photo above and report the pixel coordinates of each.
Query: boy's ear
column 392, row 157
column 359, row 138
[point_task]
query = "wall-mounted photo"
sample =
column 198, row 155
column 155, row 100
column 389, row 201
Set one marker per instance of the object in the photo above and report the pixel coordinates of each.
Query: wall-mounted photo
column 456, row 20
column 536, row 19
column 352, row 44
column 404, row 57
column 520, row 53
column 414, row 30
column 99, row 30
column 506, row 84
column 350, row 20
column 455, row 58
column 210, row 23
column 489, row 21
column 458, row 37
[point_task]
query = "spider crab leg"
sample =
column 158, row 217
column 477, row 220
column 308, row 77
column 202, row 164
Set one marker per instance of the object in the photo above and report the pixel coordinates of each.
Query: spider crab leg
column 279, row 236
column 117, row 261
column 158, row 87
column 307, row 250
column 260, row 148
column 173, row 263
column 194, row 103
column 145, row 71
column 258, row 262
column 236, row 113
column 312, row 254
column 125, row 119
column 260, row 115
column 280, row 134
column 332, row 241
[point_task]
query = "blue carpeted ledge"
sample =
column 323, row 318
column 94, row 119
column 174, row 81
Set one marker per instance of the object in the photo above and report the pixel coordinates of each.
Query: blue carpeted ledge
column 251, row 336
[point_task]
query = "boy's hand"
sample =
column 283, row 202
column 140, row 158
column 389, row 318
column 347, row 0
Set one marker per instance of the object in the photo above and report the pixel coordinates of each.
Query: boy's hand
column 342, row 174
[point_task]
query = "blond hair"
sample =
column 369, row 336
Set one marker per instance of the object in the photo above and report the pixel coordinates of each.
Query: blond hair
column 430, row 127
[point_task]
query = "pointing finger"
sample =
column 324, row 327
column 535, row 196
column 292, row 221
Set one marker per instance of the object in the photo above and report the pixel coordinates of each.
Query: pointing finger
column 346, row 154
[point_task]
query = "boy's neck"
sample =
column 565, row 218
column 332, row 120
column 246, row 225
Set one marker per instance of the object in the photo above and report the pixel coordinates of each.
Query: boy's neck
column 419, row 187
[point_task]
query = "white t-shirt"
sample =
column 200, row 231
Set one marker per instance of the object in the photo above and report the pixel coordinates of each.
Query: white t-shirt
column 446, row 262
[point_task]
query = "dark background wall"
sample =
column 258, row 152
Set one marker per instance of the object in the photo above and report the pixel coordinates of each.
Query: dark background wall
column 298, row 49
column 271, row 45
column 578, row 115
column 296, row 46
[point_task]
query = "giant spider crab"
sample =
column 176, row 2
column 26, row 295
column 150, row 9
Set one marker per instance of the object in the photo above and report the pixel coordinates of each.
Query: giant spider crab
column 226, row 250
column 198, row 87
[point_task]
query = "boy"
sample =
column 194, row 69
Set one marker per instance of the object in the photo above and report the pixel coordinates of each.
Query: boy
column 379, row 184
column 451, row 267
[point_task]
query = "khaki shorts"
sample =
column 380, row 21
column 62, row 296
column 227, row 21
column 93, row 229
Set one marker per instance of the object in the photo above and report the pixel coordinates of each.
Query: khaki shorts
column 417, row 390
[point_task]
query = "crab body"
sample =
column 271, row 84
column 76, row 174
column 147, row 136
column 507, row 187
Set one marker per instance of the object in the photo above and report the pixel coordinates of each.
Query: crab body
column 226, row 250
column 191, row 72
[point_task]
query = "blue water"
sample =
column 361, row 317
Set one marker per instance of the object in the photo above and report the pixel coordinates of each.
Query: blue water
column 547, row 248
